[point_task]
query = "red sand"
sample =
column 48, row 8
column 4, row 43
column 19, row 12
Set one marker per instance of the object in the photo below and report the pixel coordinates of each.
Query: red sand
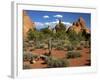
column 81, row 61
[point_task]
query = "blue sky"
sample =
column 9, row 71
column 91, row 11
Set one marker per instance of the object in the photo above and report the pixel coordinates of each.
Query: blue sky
column 44, row 18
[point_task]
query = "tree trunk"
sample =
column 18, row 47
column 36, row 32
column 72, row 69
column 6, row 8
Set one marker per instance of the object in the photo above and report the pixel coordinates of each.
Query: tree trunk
column 49, row 46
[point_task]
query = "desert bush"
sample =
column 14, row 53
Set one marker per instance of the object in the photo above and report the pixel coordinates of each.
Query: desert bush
column 45, row 46
column 70, row 48
column 46, row 54
column 34, row 35
column 73, row 54
column 25, row 57
column 82, row 43
column 28, row 56
column 59, row 47
column 41, row 46
column 86, row 46
column 79, row 48
column 54, row 44
column 44, row 57
column 32, row 49
column 53, row 62
column 26, row 66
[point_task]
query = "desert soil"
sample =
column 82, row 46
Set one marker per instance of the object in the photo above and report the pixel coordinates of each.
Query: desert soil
column 84, row 60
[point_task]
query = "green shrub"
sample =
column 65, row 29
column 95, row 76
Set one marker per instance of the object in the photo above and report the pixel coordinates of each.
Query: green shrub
column 32, row 49
column 53, row 62
column 82, row 43
column 25, row 66
column 70, row 48
column 28, row 56
column 46, row 54
column 60, row 48
column 45, row 46
column 86, row 46
column 24, row 49
column 73, row 54
column 79, row 48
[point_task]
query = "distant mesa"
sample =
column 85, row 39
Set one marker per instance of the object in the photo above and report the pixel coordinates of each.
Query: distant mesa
column 27, row 23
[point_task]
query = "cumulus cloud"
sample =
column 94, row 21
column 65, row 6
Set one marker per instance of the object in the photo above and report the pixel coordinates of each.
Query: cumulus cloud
column 68, row 24
column 58, row 16
column 39, row 25
column 46, row 16
column 47, row 23
column 51, row 24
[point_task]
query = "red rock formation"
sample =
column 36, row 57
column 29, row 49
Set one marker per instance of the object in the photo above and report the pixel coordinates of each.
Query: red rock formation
column 82, row 22
column 79, row 26
column 27, row 23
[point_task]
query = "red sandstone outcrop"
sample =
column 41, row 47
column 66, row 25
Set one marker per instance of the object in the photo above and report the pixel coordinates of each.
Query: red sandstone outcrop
column 27, row 23
column 79, row 26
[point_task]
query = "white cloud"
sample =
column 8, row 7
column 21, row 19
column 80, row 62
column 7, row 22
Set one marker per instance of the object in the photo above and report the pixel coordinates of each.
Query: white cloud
column 57, row 20
column 53, row 24
column 58, row 16
column 68, row 24
column 46, row 16
column 39, row 25
column 47, row 23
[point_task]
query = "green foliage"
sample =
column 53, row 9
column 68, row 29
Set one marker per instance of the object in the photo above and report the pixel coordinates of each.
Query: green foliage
column 28, row 56
column 79, row 48
column 30, row 34
column 34, row 35
column 60, row 35
column 32, row 49
column 85, row 44
column 46, row 31
column 63, row 27
column 73, row 37
column 70, row 48
column 87, row 36
column 26, row 66
column 46, row 54
column 80, row 36
column 82, row 43
column 53, row 62
column 73, row 54
column 60, row 48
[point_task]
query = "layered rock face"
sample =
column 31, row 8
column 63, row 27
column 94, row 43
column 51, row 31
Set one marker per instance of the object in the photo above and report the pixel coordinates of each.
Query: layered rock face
column 79, row 26
column 27, row 23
